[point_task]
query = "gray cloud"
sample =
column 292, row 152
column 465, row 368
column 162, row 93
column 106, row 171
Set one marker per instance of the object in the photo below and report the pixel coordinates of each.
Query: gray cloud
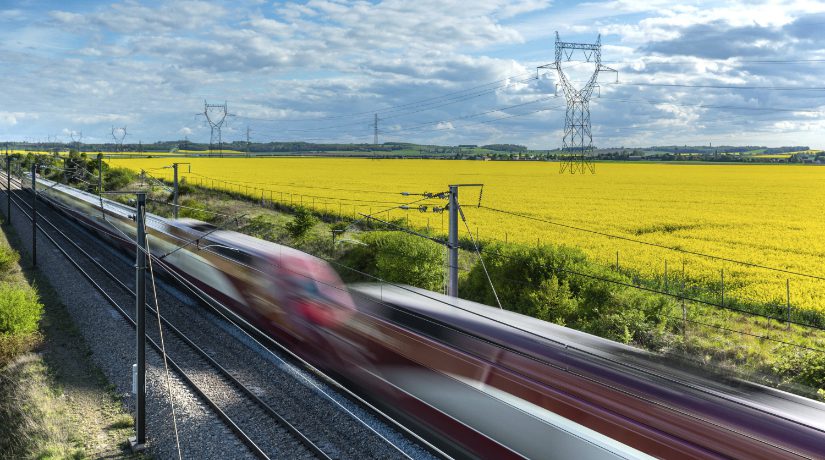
column 718, row 40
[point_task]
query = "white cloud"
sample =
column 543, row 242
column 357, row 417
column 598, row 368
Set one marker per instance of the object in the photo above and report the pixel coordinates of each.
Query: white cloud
column 301, row 70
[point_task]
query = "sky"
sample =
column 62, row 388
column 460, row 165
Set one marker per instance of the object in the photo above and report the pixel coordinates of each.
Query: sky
column 440, row 72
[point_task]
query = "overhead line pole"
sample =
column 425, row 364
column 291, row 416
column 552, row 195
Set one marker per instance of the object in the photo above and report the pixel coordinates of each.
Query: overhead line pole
column 452, row 240
column 34, row 214
column 8, row 184
column 452, row 280
column 139, row 441
column 175, row 193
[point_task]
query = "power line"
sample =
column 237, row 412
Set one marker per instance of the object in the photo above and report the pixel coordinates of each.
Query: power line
column 400, row 113
column 679, row 296
column 713, row 106
column 505, row 80
column 647, row 243
column 747, row 87
column 240, row 184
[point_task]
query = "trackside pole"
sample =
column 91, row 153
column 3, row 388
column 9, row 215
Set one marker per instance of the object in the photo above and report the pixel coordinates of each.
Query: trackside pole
column 34, row 214
column 8, row 186
column 138, row 443
column 175, row 193
column 452, row 280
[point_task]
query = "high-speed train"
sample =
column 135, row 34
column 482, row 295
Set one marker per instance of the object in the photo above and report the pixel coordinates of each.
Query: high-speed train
column 479, row 381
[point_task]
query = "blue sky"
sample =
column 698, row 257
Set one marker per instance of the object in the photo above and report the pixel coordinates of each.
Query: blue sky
column 320, row 70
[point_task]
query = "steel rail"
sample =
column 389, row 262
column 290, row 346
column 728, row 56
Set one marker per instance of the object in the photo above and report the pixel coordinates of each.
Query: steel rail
column 226, row 419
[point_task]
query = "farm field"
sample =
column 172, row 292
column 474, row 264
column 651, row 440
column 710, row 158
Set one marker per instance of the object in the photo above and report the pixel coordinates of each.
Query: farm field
column 768, row 215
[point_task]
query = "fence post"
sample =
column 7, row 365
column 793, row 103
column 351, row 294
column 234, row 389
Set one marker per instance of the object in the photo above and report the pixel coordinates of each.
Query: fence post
column 617, row 261
column 666, row 275
column 788, row 292
column 723, row 287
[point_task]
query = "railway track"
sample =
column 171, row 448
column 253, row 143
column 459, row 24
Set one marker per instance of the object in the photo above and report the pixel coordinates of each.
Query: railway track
column 275, row 413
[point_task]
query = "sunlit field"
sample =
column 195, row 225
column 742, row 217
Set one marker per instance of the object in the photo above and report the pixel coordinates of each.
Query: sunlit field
column 769, row 215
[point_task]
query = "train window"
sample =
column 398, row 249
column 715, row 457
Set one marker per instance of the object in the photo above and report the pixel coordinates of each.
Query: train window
column 233, row 254
column 412, row 321
column 202, row 227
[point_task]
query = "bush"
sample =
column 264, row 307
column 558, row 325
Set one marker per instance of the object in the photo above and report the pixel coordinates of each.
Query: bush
column 559, row 284
column 194, row 209
column 20, row 309
column 528, row 280
column 398, row 258
column 262, row 226
column 8, row 259
column 117, row 178
column 806, row 367
column 301, row 223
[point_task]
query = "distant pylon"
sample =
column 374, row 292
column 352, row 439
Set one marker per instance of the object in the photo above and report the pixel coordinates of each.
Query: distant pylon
column 578, row 138
column 215, row 115
column 375, row 131
column 119, row 134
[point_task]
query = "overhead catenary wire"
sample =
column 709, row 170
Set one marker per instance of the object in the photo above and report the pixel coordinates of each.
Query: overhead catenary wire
column 274, row 190
column 480, row 258
column 163, row 348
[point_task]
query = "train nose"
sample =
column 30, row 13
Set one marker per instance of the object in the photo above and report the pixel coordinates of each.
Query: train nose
column 320, row 313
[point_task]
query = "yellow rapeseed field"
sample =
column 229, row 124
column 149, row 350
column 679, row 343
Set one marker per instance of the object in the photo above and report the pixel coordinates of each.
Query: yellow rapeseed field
column 769, row 215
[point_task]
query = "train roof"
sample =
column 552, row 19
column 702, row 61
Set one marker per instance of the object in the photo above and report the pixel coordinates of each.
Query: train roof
column 232, row 239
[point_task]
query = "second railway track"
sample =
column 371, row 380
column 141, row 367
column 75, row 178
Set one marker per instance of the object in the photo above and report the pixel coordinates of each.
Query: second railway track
column 273, row 411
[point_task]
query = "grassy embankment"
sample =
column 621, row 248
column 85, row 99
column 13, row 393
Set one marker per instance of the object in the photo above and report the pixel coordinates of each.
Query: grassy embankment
column 54, row 403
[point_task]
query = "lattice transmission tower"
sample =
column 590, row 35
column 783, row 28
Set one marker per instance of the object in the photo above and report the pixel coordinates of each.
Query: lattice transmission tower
column 375, row 130
column 119, row 134
column 215, row 115
column 578, row 138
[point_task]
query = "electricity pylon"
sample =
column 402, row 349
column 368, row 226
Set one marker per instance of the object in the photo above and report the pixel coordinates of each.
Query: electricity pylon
column 119, row 134
column 578, row 138
column 215, row 115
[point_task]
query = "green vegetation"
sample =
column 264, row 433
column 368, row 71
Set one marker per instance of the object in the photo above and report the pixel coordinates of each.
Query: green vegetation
column 396, row 257
column 303, row 221
column 34, row 418
column 20, row 309
column 53, row 403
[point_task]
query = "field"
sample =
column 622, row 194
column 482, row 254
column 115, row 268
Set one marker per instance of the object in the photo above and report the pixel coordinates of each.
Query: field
column 768, row 215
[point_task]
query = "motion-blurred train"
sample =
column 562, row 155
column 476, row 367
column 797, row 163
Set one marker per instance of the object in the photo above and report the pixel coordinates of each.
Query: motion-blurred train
column 478, row 381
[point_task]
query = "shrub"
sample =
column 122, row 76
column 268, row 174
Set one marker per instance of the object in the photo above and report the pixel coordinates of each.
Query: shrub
column 806, row 367
column 194, row 209
column 8, row 258
column 117, row 178
column 301, row 223
column 184, row 188
column 528, row 280
column 20, row 309
column 559, row 284
column 398, row 258
column 262, row 226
